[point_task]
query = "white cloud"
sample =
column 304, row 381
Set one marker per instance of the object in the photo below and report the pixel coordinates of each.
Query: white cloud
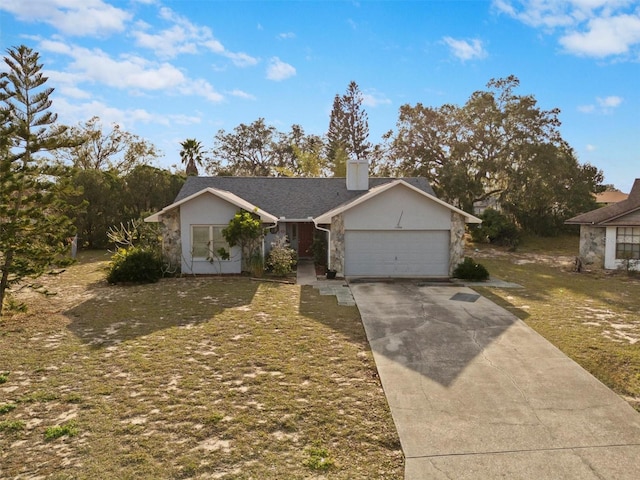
column 127, row 72
column 593, row 28
column 201, row 88
column 603, row 105
column 183, row 36
column 372, row 98
column 71, row 17
column 286, row 35
column 466, row 50
column 591, row 148
column 241, row 94
column 279, row 70
column 73, row 113
column 604, row 37
column 609, row 102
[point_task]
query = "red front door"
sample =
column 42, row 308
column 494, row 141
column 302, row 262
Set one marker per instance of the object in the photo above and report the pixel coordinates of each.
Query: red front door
column 305, row 238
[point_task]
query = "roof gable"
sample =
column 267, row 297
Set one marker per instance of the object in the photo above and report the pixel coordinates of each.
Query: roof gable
column 227, row 196
column 399, row 183
column 610, row 214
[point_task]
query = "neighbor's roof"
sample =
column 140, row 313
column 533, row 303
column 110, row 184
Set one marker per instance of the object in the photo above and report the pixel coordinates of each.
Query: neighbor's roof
column 611, row 197
column 292, row 198
column 611, row 214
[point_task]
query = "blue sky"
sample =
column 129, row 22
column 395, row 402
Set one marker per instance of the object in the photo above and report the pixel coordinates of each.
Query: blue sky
column 168, row 70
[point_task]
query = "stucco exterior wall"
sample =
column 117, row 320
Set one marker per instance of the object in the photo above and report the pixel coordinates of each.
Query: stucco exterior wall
column 456, row 241
column 399, row 207
column 207, row 209
column 336, row 245
column 171, row 240
column 592, row 245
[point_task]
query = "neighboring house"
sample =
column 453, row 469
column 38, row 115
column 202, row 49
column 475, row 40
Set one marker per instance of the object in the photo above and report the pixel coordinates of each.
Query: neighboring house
column 610, row 197
column 610, row 236
column 375, row 227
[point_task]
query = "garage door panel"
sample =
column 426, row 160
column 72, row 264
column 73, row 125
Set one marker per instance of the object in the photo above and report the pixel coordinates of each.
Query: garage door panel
column 397, row 253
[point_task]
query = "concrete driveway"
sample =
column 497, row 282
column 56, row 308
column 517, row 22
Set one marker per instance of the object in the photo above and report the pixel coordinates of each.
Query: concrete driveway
column 475, row 393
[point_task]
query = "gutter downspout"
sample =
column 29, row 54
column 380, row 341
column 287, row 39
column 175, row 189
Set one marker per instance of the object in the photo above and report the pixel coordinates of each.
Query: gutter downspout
column 328, row 242
column 264, row 236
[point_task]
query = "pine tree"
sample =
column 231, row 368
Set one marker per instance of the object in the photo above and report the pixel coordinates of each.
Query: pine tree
column 33, row 231
column 348, row 132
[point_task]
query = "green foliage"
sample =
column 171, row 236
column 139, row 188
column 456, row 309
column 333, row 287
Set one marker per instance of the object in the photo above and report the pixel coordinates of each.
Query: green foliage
column 12, row 426
column 319, row 249
column 69, row 429
column 35, row 230
column 256, row 265
column 191, row 155
column 6, row 407
column 244, row 230
column 347, row 136
column 498, row 145
column 319, row 459
column 4, row 377
column 282, row 258
column 470, row 270
column 135, row 264
column 495, row 229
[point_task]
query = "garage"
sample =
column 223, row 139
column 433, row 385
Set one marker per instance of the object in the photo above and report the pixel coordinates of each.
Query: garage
column 397, row 253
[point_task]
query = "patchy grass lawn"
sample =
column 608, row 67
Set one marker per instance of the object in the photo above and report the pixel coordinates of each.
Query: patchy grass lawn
column 190, row 378
column 593, row 317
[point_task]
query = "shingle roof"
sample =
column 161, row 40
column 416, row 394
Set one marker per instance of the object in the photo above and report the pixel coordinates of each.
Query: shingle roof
column 608, row 215
column 292, row 198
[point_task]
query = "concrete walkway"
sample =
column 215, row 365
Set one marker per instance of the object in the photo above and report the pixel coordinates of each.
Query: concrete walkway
column 477, row 394
column 306, row 275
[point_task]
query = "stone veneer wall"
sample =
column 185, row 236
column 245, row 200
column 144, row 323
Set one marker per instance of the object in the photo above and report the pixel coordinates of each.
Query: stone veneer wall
column 171, row 240
column 336, row 249
column 592, row 244
column 456, row 241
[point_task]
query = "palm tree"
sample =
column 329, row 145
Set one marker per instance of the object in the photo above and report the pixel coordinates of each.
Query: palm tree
column 191, row 155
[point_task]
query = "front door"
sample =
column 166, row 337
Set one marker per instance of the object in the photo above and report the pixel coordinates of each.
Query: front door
column 305, row 239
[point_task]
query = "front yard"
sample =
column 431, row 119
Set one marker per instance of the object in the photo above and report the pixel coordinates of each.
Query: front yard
column 189, row 378
column 593, row 317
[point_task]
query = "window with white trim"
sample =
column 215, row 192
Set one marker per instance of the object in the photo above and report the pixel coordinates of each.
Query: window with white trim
column 206, row 240
column 628, row 243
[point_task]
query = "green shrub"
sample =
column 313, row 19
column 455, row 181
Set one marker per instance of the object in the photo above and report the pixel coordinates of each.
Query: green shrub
column 496, row 229
column 470, row 270
column 319, row 249
column 282, row 258
column 136, row 265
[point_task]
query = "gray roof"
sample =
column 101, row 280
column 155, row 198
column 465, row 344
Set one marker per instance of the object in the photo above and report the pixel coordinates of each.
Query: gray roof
column 294, row 198
column 609, row 214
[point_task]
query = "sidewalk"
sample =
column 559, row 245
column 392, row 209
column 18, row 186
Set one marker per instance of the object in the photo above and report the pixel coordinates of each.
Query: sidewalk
column 338, row 287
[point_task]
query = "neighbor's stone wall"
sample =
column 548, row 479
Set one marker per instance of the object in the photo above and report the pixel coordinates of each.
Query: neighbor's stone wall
column 456, row 241
column 592, row 245
column 336, row 249
column 171, row 240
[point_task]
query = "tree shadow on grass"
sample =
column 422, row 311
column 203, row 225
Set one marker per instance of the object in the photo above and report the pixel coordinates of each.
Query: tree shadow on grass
column 433, row 330
column 116, row 314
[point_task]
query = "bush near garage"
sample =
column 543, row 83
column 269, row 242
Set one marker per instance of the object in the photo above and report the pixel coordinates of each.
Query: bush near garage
column 470, row 270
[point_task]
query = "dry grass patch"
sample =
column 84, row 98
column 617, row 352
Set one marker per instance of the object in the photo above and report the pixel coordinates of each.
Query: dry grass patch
column 190, row 378
column 593, row 317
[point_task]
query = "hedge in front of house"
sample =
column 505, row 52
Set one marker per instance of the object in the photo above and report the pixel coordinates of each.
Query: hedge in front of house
column 136, row 265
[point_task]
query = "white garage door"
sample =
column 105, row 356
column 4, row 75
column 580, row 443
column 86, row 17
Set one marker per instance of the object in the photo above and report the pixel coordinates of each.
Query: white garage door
column 397, row 253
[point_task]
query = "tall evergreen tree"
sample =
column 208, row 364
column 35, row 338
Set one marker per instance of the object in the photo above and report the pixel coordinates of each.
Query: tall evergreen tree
column 33, row 231
column 348, row 132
